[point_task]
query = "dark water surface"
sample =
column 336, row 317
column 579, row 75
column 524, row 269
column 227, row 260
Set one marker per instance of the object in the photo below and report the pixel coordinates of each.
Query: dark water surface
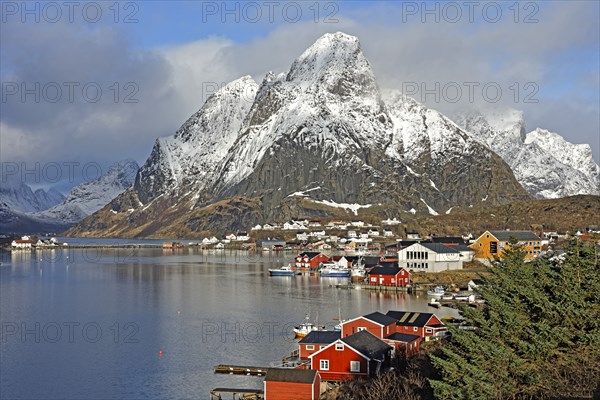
column 91, row 323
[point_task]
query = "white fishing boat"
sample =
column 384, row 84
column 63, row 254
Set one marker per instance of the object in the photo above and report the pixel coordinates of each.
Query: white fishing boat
column 436, row 293
column 286, row 270
column 305, row 328
column 334, row 270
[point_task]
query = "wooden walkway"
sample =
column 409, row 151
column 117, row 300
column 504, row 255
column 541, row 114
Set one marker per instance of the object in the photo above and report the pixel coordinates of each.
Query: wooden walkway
column 240, row 393
column 240, row 370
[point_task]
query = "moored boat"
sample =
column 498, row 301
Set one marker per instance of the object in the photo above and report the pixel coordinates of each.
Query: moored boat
column 334, row 271
column 305, row 328
column 436, row 293
column 358, row 273
column 286, row 270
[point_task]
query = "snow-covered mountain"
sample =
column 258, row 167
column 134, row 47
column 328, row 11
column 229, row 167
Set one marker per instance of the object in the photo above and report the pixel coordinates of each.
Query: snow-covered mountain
column 543, row 162
column 87, row 198
column 324, row 129
column 18, row 196
column 17, row 216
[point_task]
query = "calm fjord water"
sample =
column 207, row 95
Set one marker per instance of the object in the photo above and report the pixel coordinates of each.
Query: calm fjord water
column 91, row 324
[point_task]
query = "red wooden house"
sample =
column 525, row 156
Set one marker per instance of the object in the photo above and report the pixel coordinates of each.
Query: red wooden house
column 388, row 276
column 425, row 325
column 357, row 356
column 376, row 323
column 315, row 341
column 404, row 343
column 292, row 384
column 310, row 259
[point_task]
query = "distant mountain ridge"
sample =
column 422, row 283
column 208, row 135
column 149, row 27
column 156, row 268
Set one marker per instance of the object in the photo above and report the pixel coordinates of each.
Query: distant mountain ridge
column 543, row 162
column 17, row 195
column 17, row 215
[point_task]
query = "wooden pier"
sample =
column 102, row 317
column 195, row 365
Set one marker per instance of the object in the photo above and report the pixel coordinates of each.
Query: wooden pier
column 240, row 370
column 240, row 393
column 378, row 288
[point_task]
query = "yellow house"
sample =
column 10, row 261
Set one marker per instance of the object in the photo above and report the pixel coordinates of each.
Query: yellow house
column 492, row 243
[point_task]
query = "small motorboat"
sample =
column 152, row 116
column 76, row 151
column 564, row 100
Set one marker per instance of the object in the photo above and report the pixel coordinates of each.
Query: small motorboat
column 305, row 328
column 436, row 293
column 434, row 303
column 286, row 270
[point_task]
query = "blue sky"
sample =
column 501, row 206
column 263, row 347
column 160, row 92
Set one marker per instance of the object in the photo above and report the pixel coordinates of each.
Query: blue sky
column 174, row 51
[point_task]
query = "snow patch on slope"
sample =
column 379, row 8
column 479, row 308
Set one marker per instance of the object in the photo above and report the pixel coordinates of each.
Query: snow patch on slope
column 352, row 207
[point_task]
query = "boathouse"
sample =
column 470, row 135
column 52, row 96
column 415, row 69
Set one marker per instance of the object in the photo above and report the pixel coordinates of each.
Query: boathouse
column 405, row 344
column 292, row 384
column 376, row 323
column 315, row 341
column 310, row 259
column 425, row 325
column 360, row 355
column 388, row 276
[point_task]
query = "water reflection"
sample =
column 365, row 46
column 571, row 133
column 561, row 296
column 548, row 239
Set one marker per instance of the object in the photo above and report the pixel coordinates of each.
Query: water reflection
column 200, row 308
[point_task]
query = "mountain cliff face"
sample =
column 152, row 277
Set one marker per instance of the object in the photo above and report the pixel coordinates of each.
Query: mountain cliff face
column 322, row 132
column 543, row 162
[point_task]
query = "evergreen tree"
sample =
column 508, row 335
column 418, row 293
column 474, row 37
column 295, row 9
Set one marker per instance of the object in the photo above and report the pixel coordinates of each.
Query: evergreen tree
column 537, row 337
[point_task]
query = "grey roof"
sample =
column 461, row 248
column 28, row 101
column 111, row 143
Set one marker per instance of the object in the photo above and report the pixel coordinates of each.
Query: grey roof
column 403, row 337
column 439, row 248
column 367, row 344
column 448, row 239
column 321, row 337
column 462, row 247
column 380, row 318
column 389, row 264
column 406, row 243
column 409, row 318
column 519, row 235
column 384, row 271
column 291, row 375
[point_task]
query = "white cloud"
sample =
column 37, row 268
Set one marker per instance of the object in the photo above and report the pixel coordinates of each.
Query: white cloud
column 174, row 81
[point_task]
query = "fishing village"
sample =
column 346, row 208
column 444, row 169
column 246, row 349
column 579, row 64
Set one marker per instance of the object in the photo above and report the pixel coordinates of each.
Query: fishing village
column 446, row 270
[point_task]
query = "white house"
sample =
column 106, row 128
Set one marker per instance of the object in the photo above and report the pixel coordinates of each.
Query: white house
column 318, row 233
column 293, row 225
column 430, row 257
column 352, row 234
column 213, row 240
column 230, row 236
column 256, row 228
column 373, row 232
column 358, row 224
column 388, row 233
column 391, row 221
column 363, row 235
column 466, row 253
column 413, row 235
column 242, row 236
column 22, row 244
column 302, row 236
column 268, row 227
